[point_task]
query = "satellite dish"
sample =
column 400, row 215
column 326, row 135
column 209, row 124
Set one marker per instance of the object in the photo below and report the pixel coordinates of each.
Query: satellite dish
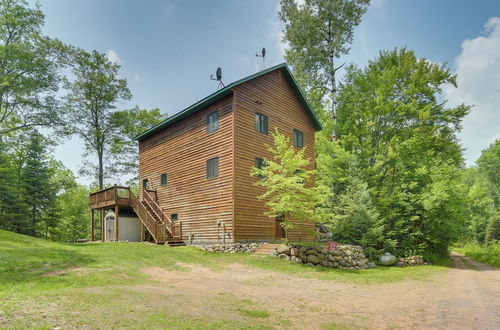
column 218, row 77
column 263, row 55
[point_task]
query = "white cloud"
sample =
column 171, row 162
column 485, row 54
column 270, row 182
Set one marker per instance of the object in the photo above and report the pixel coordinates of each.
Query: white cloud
column 478, row 79
column 113, row 57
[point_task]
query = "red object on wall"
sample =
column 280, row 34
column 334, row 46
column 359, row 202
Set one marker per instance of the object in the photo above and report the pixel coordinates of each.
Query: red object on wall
column 332, row 246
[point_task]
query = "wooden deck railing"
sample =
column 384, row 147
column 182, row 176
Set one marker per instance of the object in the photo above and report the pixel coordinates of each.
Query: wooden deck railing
column 111, row 195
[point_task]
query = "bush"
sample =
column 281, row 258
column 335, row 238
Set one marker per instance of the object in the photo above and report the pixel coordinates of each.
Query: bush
column 489, row 254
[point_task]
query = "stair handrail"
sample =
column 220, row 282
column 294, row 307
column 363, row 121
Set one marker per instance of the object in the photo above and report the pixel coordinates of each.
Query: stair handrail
column 143, row 213
column 159, row 212
column 152, row 204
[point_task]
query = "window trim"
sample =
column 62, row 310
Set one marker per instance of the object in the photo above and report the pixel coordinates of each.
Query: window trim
column 163, row 175
column 216, row 122
column 176, row 217
column 296, row 134
column 217, row 172
column 259, row 128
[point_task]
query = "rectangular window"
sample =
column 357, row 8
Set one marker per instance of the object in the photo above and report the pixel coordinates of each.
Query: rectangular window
column 174, row 217
column 260, row 123
column 213, row 122
column 145, row 183
column 259, row 163
column 298, row 138
column 213, row 168
column 163, row 179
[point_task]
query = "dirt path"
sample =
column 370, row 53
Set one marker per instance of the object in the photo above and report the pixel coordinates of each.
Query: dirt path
column 466, row 296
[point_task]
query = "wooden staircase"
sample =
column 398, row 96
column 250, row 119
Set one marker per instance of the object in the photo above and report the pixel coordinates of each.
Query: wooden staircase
column 162, row 229
column 267, row 248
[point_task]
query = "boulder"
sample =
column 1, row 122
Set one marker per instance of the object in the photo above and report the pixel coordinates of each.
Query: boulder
column 311, row 252
column 283, row 249
column 283, row 256
column 296, row 260
column 313, row 259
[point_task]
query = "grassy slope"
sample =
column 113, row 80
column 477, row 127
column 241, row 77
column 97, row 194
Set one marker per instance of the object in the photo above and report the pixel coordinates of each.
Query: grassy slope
column 489, row 254
column 40, row 276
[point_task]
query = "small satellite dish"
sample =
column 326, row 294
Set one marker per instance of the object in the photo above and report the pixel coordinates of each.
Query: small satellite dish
column 263, row 55
column 218, row 73
column 218, row 77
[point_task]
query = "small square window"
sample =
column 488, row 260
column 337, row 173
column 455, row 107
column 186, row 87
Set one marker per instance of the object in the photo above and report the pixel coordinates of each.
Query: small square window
column 174, row 217
column 261, row 123
column 213, row 168
column 298, row 138
column 145, row 183
column 213, row 122
column 163, row 179
column 259, row 163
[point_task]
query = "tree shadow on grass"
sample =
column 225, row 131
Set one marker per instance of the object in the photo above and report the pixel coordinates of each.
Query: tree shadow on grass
column 24, row 263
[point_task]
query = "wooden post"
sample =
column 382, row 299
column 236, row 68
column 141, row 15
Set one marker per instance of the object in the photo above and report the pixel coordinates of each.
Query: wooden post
column 92, row 225
column 102, row 224
column 142, row 232
column 117, row 210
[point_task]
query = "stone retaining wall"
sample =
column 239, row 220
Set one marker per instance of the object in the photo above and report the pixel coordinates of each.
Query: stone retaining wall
column 231, row 248
column 344, row 257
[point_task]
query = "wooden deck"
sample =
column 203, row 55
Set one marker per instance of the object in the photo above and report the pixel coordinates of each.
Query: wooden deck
column 116, row 195
column 153, row 218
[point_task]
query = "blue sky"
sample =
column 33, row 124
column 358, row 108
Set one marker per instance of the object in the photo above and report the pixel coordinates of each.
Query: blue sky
column 168, row 49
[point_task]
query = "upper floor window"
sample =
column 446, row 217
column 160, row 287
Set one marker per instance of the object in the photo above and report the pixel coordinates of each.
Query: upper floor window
column 260, row 123
column 259, row 163
column 213, row 168
column 213, row 121
column 298, row 138
column 163, row 179
column 174, row 217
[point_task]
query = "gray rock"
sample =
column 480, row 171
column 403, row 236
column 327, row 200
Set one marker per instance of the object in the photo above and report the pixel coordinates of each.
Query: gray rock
column 311, row 252
column 283, row 249
column 313, row 259
column 296, row 260
column 284, row 256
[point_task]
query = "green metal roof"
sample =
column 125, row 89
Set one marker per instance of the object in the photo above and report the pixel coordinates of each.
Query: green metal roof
column 220, row 94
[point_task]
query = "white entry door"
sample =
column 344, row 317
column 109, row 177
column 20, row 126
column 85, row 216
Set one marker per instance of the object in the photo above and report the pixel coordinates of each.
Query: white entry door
column 110, row 229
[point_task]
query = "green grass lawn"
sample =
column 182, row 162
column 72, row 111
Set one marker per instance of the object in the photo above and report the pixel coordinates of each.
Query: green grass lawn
column 90, row 283
column 489, row 254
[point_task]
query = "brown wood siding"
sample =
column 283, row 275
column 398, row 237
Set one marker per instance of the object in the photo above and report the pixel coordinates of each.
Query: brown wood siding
column 182, row 151
column 272, row 96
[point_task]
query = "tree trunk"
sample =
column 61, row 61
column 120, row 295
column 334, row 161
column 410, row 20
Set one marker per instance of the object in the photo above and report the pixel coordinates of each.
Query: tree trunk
column 334, row 99
column 101, row 170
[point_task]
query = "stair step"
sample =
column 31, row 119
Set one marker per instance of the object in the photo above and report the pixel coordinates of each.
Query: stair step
column 266, row 248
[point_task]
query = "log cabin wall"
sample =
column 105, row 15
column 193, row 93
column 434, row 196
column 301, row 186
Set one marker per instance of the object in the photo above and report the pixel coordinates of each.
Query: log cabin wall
column 181, row 151
column 272, row 96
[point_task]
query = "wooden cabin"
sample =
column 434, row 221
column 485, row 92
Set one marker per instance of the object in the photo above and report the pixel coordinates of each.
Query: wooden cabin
column 194, row 167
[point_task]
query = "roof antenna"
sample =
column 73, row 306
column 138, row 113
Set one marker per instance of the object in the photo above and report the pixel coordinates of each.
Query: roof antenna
column 263, row 55
column 218, row 77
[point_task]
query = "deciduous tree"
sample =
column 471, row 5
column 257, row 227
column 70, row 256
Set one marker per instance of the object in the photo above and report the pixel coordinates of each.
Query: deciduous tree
column 30, row 68
column 90, row 103
column 288, row 193
column 317, row 33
